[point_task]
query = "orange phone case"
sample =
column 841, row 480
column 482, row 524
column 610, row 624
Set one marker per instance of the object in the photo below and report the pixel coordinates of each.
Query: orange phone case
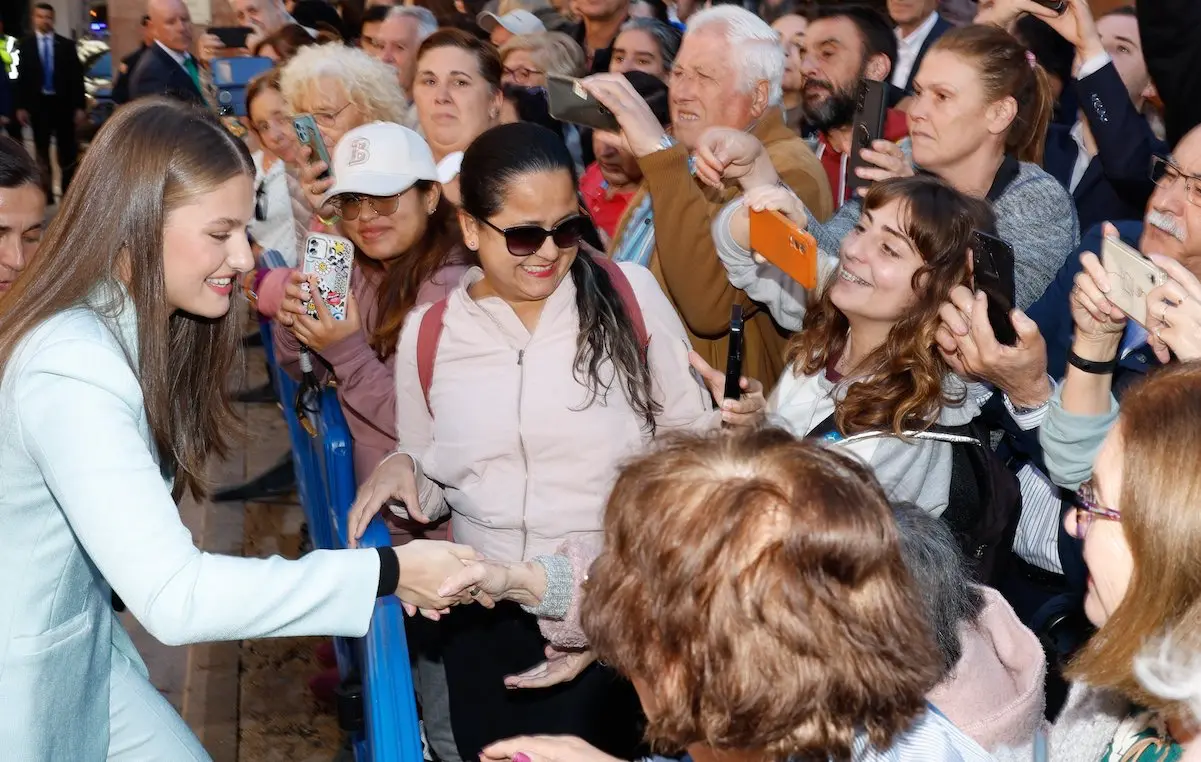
column 785, row 245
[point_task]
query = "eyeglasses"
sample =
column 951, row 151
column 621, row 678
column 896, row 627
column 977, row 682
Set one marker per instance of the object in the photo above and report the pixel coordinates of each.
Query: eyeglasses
column 524, row 240
column 329, row 118
column 260, row 202
column 349, row 207
column 522, row 75
column 1087, row 509
column 1165, row 173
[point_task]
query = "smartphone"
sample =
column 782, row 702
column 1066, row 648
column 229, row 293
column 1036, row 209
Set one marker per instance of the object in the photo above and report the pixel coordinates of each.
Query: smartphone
column 231, row 76
column 733, row 388
column 871, row 109
column 783, row 243
column 569, row 102
column 992, row 272
column 307, row 133
column 330, row 258
column 1059, row 6
column 231, row 36
column 1131, row 276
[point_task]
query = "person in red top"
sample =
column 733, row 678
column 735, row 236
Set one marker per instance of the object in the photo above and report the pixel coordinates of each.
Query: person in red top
column 609, row 183
column 843, row 45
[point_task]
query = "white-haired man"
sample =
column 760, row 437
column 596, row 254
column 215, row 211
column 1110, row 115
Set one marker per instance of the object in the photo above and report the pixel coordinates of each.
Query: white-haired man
column 728, row 73
column 393, row 35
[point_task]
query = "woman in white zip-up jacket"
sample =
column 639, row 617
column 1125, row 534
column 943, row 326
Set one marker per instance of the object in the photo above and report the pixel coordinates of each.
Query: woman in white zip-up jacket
column 115, row 344
column 538, row 391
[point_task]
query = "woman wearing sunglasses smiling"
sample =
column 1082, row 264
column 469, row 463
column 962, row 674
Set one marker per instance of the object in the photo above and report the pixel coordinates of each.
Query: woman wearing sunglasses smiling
column 540, row 382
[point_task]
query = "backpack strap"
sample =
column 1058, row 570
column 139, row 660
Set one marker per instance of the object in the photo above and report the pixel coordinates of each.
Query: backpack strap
column 626, row 293
column 428, row 335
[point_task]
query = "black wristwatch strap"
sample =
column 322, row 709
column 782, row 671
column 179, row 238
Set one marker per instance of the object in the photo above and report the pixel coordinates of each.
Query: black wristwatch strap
column 389, row 572
column 1092, row 366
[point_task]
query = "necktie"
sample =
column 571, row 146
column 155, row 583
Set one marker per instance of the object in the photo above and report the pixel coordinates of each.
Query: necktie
column 189, row 64
column 47, row 64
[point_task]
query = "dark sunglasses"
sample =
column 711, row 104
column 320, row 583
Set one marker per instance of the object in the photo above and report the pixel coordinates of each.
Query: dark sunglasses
column 350, row 207
column 524, row 240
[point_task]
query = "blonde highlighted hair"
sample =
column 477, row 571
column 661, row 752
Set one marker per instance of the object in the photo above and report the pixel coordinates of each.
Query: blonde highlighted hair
column 369, row 84
column 555, row 52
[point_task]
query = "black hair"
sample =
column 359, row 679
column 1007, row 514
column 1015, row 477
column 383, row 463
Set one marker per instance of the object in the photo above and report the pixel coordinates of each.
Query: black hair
column 875, row 29
column 17, row 168
column 500, row 157
column 1122, row 10
column 658, row 7
column 532, row 106
column 45, row 7
column 376, row 14
column 1049, row 47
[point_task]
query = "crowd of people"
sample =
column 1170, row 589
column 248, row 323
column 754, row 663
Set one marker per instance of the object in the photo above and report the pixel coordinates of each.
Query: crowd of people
column 914, row 533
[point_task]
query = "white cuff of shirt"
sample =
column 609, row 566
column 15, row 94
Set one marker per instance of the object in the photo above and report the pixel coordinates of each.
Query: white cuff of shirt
column 1093, row 65
column 1030, row 419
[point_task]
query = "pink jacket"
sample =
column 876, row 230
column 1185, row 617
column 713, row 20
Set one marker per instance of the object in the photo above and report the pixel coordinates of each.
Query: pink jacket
column 366, row 385
column 996, row 693
column 511, row 451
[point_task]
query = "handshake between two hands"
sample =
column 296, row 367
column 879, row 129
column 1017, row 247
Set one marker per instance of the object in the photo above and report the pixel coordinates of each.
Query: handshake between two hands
column 436, row 575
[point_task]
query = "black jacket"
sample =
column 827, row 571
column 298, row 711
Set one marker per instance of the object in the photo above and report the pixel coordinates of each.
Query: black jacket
column 1171, row 33
column 128, row 64
column 157, row 73
column 68, row 75
column 1117, row 183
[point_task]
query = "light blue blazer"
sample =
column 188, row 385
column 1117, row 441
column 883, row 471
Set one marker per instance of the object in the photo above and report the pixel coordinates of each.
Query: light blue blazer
column 84, row 505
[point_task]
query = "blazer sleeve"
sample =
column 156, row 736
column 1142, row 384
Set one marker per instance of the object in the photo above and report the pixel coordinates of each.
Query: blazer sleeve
column 1171, row 34
column 78, row 409
column 1125, row 142
column 150, row 77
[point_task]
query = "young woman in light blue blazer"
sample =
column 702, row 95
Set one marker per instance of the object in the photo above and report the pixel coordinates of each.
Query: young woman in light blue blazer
column 114, row 347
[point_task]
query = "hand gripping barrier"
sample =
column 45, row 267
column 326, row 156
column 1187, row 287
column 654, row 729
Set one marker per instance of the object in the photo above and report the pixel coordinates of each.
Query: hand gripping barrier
column 325, row 481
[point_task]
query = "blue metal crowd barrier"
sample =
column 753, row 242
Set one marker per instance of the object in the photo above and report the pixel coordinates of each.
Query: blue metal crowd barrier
column 325, row 481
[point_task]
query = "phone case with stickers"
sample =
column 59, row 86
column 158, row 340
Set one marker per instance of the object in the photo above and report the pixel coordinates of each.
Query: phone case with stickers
column 329, row 257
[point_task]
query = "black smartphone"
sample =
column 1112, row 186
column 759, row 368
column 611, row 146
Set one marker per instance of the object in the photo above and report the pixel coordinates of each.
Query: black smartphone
column 569, row 102
column 231, row 36
column 992, row 272
column 1059, row 6
column 871, row 109
column 733, row 388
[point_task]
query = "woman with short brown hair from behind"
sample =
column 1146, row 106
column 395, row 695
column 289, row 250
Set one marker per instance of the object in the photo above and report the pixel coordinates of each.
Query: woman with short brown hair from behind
column 767, row 616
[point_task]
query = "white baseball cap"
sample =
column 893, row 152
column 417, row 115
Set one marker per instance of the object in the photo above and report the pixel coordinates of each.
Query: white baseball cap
column 517, row 22
column 384, row 159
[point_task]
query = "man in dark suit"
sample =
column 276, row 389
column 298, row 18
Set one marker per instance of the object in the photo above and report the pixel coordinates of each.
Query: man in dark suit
column 129, row 63
column 1104, row 158
column 167, row 67
column 50, row 95
column 919, row 25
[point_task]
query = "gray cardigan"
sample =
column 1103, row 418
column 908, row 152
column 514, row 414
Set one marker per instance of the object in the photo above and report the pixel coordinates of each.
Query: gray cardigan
column 1034, row 214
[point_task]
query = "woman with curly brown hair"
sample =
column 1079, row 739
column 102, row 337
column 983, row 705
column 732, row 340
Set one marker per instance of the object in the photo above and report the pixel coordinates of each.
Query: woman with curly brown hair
column 863, row 367
column 768, row 617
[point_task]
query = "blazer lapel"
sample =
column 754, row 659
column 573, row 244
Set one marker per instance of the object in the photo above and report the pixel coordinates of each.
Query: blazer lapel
column 940, row 28
column 1091, row 177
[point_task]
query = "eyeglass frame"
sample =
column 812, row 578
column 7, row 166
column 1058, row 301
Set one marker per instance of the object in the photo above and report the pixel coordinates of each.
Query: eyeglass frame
column 579, row 217
column 1087, row 508
column 370, row 200
column 526, row 76
column 1192, row 183
column 329, row 118
column 260, row 201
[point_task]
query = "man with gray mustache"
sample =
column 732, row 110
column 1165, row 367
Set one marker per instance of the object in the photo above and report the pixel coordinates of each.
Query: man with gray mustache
column 1048, row 575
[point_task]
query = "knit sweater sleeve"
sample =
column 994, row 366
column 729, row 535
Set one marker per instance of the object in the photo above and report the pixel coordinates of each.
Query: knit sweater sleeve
column 1038, row 218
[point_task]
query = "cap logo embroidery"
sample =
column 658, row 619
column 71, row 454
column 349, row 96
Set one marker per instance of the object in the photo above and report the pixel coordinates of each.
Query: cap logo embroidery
column 360, row 151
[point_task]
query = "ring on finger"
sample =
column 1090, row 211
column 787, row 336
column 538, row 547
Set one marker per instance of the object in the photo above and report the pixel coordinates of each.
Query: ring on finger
column 473, row 592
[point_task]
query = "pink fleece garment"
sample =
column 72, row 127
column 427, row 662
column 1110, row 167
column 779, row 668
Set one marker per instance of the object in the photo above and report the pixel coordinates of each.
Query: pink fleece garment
column 567, row 633
column 366, row 385
column 995, row 695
